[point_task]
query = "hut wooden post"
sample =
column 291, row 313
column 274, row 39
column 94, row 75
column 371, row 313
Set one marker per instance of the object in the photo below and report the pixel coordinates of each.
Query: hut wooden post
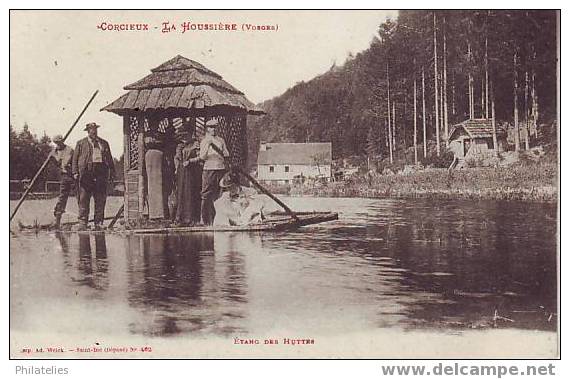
column 141, row 191
column 126, row 162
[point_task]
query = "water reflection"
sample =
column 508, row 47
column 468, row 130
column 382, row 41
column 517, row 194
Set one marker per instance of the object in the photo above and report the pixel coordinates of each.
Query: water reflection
column 92, row 269
column 186, row 283
column 461, row 261
column 399, row 264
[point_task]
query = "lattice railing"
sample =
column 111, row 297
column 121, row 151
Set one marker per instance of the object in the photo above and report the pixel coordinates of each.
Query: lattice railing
column 133, row 150
column 232, row 129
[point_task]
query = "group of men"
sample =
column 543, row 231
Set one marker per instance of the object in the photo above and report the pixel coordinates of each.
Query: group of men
column 91, row 168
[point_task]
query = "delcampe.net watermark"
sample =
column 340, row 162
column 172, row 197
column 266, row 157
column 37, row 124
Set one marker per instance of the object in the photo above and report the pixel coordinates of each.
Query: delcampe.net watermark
column 457, row 369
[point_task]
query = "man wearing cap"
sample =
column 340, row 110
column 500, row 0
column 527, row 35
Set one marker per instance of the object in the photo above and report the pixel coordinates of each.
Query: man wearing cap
column 93, row 167
column 213, row 171
column 63, row 156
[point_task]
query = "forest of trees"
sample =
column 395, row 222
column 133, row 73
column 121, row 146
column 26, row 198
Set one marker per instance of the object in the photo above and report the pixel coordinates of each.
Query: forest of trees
column 423, row 73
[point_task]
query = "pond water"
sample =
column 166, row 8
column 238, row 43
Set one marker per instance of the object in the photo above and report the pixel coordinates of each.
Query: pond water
column 408, row 264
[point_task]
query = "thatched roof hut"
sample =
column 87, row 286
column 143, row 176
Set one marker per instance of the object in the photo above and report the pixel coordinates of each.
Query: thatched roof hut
column 175, row 99
column 183, row 86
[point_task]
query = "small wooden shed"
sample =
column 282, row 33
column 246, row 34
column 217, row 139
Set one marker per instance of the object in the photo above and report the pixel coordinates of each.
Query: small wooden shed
column 473, row 138
column 177, row 97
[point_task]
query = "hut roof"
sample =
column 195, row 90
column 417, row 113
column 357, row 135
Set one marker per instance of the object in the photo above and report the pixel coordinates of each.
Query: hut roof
column 295, row 153
column 180, row 83
column 476, row 128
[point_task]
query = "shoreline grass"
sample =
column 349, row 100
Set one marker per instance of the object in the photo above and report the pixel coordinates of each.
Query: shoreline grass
column 535, row 182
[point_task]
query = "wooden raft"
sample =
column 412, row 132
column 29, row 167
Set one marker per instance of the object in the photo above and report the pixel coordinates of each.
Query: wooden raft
column 273, row 222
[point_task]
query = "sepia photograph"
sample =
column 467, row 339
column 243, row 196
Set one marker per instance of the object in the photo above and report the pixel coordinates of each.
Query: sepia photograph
column 289, row 184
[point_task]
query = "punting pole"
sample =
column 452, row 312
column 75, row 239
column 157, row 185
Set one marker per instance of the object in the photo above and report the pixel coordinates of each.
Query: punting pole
column 48, row 158
column 119, row 213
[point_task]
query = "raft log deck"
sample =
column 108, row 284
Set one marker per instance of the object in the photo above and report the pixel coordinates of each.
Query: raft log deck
column 273, row 222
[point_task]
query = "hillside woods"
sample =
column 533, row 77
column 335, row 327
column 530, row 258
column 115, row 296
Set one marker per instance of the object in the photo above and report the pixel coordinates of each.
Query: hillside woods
column 458, row 62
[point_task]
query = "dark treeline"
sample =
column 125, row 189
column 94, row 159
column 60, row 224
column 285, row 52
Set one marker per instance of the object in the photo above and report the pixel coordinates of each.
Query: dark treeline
column 28, row 153
column 464, row 59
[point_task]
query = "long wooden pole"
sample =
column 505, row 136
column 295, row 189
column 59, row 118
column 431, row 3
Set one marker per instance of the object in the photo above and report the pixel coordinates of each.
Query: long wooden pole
column 49, row 156
column 116, row 217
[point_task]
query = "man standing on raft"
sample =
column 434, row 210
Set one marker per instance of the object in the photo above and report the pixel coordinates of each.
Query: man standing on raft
column 214, row 170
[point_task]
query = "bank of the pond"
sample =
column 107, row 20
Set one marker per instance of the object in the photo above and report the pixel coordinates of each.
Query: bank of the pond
column 537, row 182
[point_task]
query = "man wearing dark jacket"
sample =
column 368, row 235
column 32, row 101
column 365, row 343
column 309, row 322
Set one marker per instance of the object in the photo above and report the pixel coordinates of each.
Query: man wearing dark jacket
column 93, row 168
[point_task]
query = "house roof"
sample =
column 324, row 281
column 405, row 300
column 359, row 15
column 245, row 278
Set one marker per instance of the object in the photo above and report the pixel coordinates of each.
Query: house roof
column 296, row 153
column 180, row 83
column 476, row 128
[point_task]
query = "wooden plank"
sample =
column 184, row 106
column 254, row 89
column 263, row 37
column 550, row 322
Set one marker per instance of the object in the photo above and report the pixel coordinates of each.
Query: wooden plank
column 267, row 225
column 163, row 97
column 186, row 98
column 131, row 100
column 172, row 101
column 189, row 77
column 178, row 78
column 117, row 104
column 213, row 97
column 152, row 99
column 140, row 104
column 133, row 215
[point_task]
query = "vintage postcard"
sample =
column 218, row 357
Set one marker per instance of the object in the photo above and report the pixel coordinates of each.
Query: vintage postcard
column 284, row 184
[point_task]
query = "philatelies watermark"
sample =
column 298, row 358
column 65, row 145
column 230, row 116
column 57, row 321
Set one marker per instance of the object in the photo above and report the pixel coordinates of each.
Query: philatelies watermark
column 41, row 370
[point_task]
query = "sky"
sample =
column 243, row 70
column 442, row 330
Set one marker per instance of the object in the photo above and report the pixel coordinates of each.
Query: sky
column 59, row 58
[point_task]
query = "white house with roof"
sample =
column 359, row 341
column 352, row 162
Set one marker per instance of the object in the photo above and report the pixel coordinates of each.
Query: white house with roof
column 283, row 162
